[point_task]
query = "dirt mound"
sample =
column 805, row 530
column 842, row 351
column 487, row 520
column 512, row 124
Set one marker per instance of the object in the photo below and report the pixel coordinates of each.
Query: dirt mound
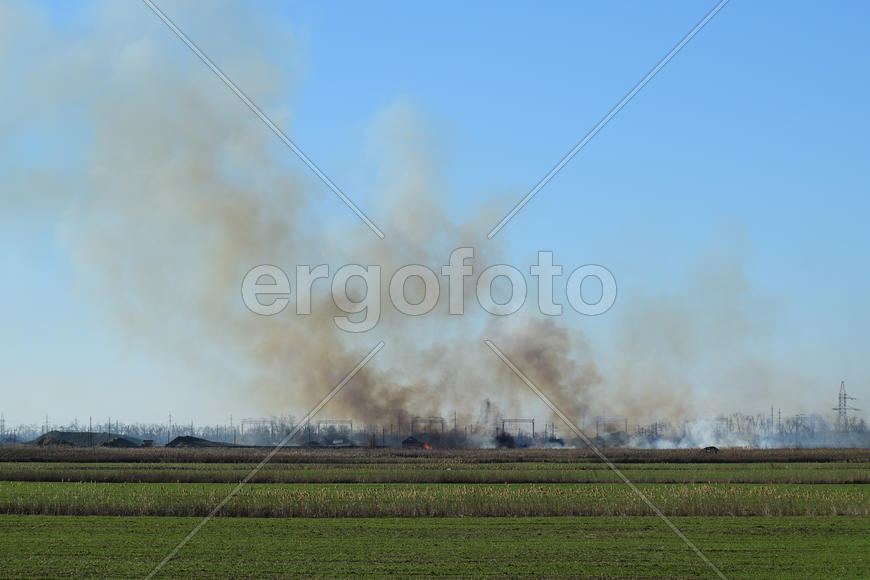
column 82, row 439
column 190, row 441
column 51, row 441
column 118, row 442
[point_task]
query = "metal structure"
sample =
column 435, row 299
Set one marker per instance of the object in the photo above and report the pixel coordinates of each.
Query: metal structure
column 654, row 430
column 603, row 420
column 260, row 423
column 338, row 425
column 552, row 430
column 843, row 408
column 801, row 424
column 518, row 422
column 428, row 421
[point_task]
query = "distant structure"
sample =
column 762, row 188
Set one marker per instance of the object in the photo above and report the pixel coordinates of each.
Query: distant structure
column 324, row 426
column 261, row 424
column 602, row 421
column 426, row 424
column 517, row 423
column 843, row 408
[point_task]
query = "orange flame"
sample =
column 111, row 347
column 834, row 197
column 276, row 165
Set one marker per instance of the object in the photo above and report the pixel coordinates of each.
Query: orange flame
column 427, row 446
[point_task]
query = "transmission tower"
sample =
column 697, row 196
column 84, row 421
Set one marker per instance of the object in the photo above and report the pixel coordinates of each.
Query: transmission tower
column 843, row 408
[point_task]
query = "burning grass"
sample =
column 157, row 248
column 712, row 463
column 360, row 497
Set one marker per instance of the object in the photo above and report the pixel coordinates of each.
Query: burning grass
column 415, row 500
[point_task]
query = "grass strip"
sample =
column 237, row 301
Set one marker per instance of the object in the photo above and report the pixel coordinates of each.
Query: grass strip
column 438, row 500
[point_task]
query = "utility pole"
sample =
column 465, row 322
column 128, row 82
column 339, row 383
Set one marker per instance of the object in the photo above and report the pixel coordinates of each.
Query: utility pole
column 843, row 408
column 90, row 430
column 169, row 433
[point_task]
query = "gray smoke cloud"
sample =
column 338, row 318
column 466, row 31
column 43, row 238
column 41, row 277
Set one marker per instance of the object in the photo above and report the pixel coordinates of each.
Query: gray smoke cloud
column 180, row 191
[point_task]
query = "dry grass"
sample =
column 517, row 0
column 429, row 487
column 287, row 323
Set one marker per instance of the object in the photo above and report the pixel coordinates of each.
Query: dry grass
column 438, row 471
column 23, row 453
column 410, row 500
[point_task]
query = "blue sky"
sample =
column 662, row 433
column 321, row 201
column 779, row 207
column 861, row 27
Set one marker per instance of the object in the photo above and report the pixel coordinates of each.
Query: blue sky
column 747, row 153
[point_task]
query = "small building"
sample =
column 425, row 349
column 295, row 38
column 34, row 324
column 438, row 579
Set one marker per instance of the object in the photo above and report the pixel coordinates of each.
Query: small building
column 412, row 442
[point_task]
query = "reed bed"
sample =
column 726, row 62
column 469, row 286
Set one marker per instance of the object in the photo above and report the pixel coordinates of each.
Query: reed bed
column 298, row 455
column 431, row 500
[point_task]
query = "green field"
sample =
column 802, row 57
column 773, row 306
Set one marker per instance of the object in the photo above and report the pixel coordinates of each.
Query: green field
column 117, row 513
column 638, row 547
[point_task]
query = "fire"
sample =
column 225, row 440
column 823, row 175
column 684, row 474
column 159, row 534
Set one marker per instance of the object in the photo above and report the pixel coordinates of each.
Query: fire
column 427, row 446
